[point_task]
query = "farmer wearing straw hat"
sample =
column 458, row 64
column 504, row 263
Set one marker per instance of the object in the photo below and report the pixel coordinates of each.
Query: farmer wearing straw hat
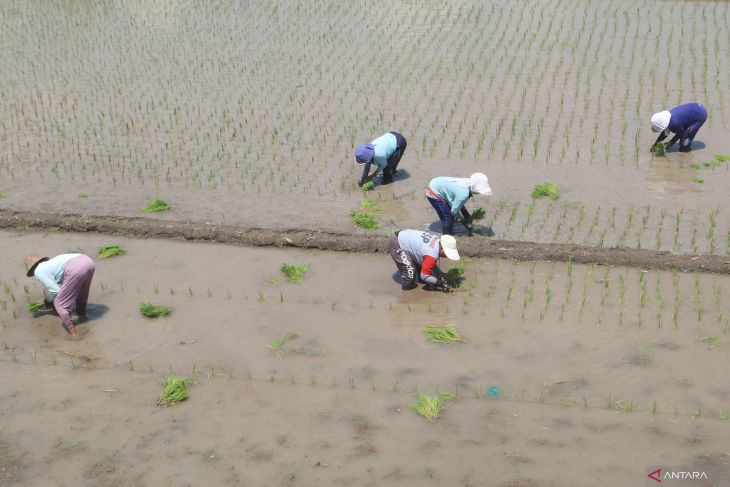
column 683, row 121
column 448, row 195
column 416, row 254
column 385, row 152
column 67, row 279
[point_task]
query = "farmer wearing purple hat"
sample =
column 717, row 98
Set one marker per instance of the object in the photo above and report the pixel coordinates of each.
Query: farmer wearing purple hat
column 67, row 278
column 385, row 152
column 683, row 121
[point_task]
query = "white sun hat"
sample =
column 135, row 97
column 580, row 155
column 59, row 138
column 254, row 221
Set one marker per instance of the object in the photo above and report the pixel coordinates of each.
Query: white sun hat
column 660, row 121
column 448, row 243
column 479, row 184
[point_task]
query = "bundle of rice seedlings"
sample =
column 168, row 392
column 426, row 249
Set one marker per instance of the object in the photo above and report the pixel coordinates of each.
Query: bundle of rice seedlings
column 150, row 310
column 369, row 186
column 34, row 306
column 111, row 251
column 366, row 215
column 430, row 407
column 550, row 190
column 277, row 346
column 660, row 149
column 175, row 390
column 446, row 334
column 455, row 271
column 295, row 272
column 478, row 214
column 157, row 205
column 722, row 157
column 698, row 180
column 2, row 195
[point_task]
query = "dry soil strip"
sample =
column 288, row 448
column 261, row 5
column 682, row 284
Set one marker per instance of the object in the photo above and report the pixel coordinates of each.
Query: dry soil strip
column 312, row 239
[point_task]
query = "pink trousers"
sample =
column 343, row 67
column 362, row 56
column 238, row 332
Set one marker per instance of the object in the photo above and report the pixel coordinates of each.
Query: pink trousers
column 77, row 275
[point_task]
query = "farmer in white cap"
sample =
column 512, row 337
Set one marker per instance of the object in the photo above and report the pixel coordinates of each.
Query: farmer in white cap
column 683, row 121
column 385, row 152
column 448, row 195
column 67, row 279
column 416, row 254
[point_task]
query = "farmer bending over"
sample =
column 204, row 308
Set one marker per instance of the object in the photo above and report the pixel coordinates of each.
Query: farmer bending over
column 448, row 195
column 683, row 121
column 416, row 254
column 67, row 279
column 385, row 152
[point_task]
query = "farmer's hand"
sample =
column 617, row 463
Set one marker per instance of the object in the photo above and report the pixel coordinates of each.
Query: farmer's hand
column 446, row 288
column 47, row 305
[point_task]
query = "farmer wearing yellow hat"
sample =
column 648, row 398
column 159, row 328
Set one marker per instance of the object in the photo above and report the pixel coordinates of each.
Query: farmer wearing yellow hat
column 416, row 254
column 385, row 152
column 684, row 121
column 67, row 279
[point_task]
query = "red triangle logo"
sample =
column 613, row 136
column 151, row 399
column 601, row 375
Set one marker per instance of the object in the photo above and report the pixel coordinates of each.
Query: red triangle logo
column 656, row 475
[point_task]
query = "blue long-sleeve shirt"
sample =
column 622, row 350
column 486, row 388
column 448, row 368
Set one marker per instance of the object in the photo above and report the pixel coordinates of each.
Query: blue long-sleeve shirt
column 383, row 147
column 684, row 116
column 453, row 193
column 50, row 273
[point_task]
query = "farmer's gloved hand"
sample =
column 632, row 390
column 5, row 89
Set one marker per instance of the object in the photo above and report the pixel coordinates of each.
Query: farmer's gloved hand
column 47, row 305
column 360, row 183
column 443, row 284
column 469, row 228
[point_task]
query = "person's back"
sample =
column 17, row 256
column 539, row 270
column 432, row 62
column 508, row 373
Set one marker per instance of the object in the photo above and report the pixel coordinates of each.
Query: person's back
column 683, row 116
column 418, row 244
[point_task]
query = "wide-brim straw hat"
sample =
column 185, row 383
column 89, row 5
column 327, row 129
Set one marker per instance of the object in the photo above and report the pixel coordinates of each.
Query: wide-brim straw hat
column 31, row 262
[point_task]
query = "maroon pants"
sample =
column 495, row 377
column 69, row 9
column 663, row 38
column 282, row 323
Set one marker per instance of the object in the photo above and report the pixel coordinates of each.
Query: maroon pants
column 77, row 275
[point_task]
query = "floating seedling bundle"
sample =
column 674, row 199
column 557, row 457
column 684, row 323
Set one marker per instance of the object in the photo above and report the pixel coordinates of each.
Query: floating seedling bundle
column 150, row 310
column 277, row 346
column 295, row 272
column 549, row 190
column 35, row 306
column 157, row 205
column 446, row 334
column 430, row 407
column 175, row 390
column 111, row 251
column 365, row 216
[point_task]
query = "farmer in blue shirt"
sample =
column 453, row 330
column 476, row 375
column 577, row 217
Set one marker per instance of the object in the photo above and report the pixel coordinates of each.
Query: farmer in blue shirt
column 683, row 121
column 385, row 152
column 448, row 195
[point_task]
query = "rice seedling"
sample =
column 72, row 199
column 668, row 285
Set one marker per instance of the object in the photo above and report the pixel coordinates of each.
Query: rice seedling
column 111, row 251
column 660, row 149
column 157, row 205
column 368, row 186
column 35, row 306
column 175, row 390
column 698, row 180
column 366, row 215
column 295, row 273
column 722, row 157
column 446, row 334
column 549, row 190
column 430, row 407
column 277, row 345
column 713, row 341
column 478, row 214
column 150, row 310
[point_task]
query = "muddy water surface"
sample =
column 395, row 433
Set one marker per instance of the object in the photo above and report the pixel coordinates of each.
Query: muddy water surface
column 608, row 370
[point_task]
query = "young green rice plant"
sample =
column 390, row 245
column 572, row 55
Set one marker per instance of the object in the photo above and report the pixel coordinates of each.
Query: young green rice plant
column 698, row 180
column 660, row 149
column 295, row 273
column 277, row 345
column 150, row 310
column 722, row 157
column 478, row 214
column 157, row 205
column 713, row 341
column 174, row 391
column 111, row 251
column 430, row 407
column 549, row 190
column 369, row 186
column 35, row 306
column 446, row 334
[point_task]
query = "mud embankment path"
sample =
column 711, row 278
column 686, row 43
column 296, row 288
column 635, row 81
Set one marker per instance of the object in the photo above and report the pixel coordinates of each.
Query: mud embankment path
column 476, row 246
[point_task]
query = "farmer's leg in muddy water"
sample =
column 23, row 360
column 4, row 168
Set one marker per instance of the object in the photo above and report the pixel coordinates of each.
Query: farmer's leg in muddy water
column 403, row 263
column 444, row 213
column 685, row 143
column 77, row 274
column 83, row 297
column 394, row 159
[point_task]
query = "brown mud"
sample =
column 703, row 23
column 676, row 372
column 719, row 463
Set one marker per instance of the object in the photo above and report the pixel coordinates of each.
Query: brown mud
column 476, row 246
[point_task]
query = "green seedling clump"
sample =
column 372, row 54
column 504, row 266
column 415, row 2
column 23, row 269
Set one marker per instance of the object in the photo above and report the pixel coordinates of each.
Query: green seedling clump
column 698, row 180
column 295, row 272
column 456, row 271
column 365, row 216
column 174, row 391
column 2, row 195
column 430, row 407
column 277, row 346
column 150, row 310
column 83, row 196
column 722, row 157
column 660, row 149
column 111, row 251
column 34, row 306
column 369, row 186
column 478, row 214
column 446, row 334
column 550, row 190
column 715, row 342
column 157, row 205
